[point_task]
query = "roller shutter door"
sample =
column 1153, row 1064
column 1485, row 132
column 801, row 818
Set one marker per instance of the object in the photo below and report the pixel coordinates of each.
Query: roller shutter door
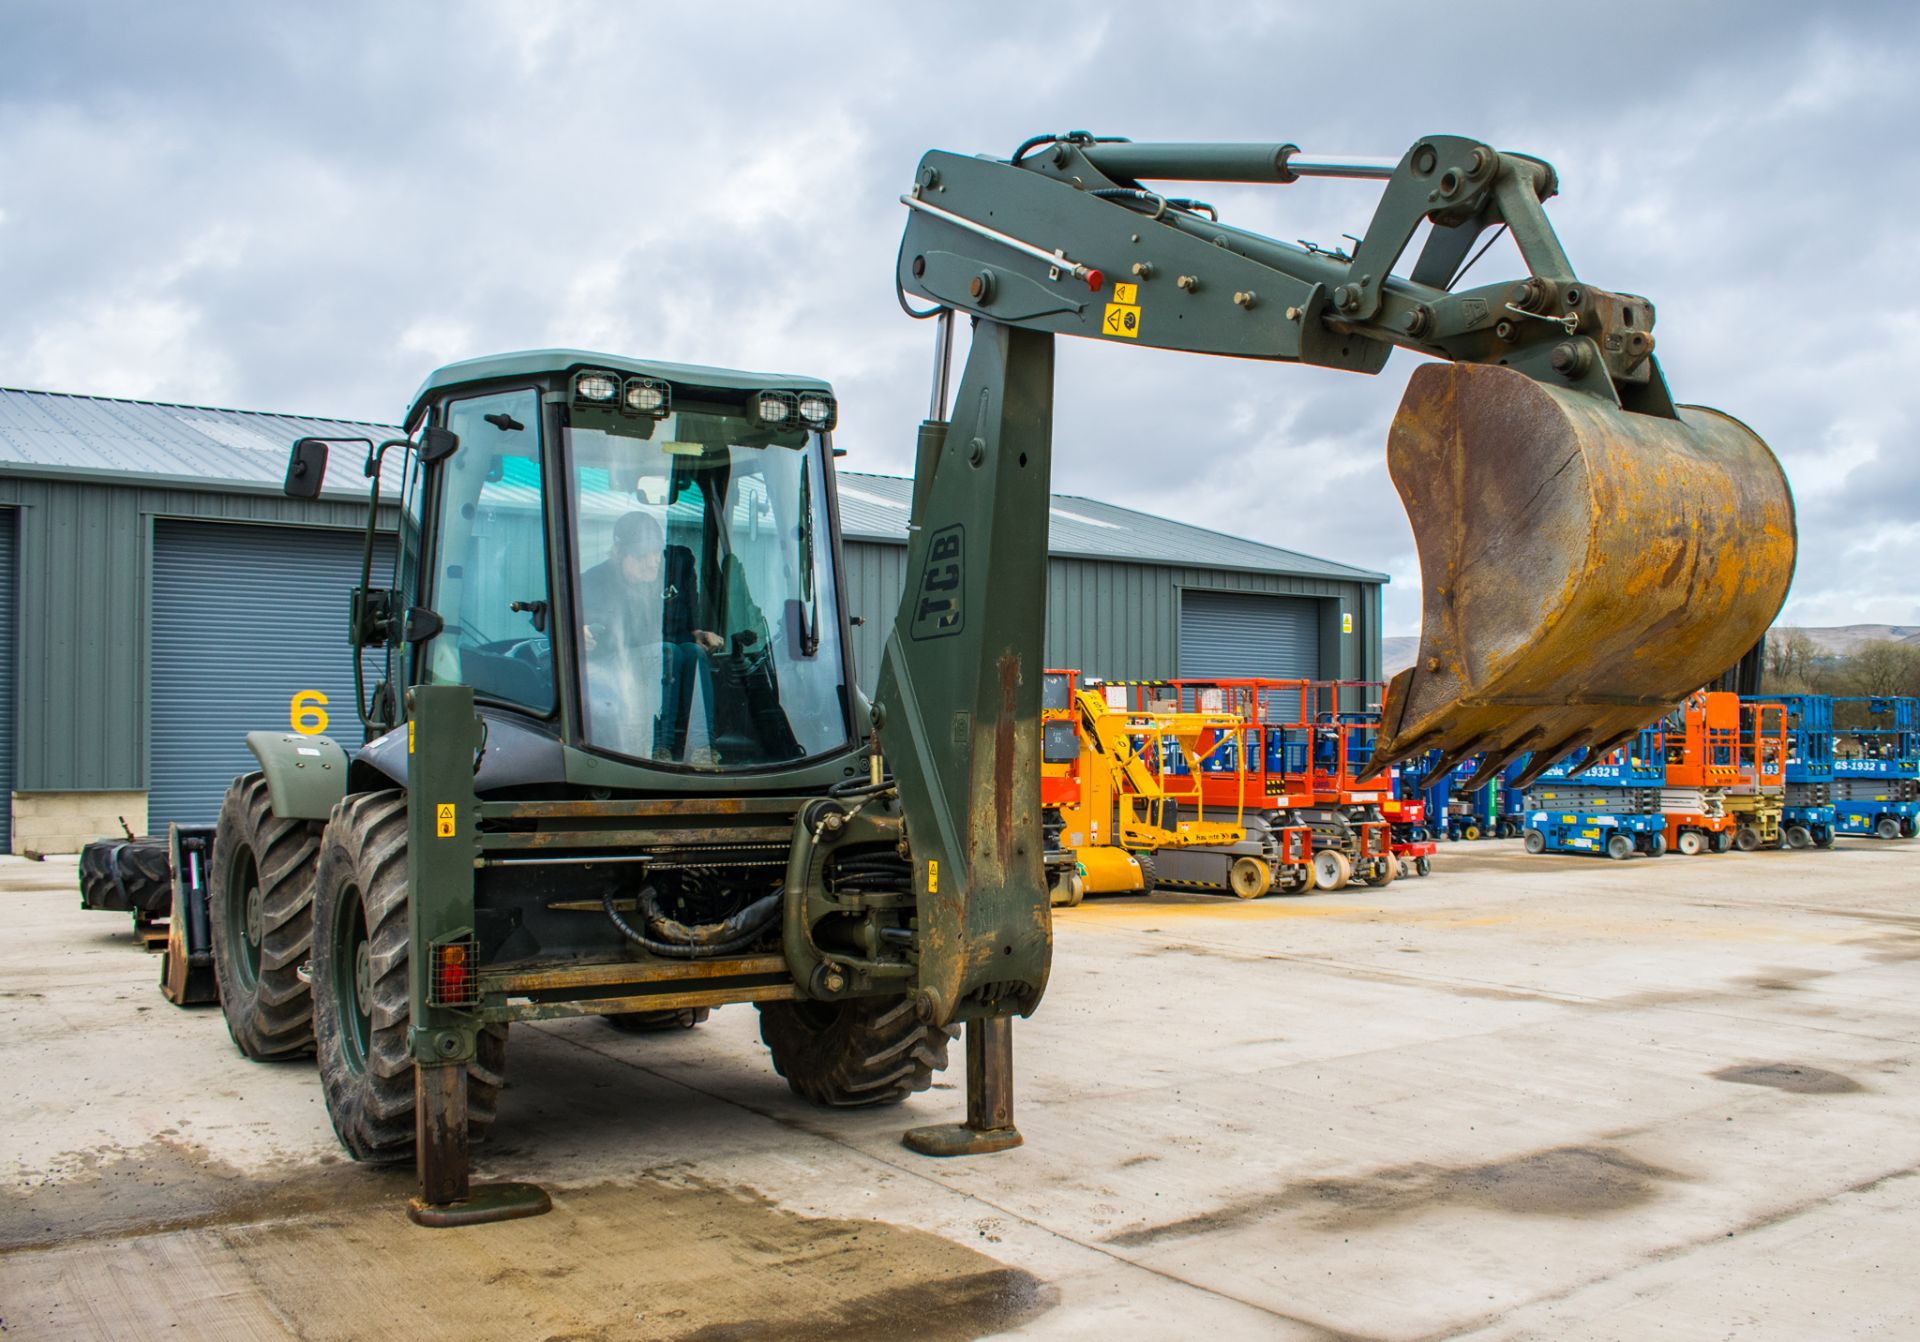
column 244, row 618
column 1244, row 634
column 9, row 655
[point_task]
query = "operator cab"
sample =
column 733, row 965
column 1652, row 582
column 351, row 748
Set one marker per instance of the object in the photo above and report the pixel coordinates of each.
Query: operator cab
column 637, row 559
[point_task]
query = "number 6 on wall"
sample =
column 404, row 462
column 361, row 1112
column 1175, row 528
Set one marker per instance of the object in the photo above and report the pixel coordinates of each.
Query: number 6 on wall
column 308, row 712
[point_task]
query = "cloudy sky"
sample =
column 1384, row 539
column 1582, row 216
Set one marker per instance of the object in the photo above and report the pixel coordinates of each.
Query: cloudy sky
column 304, row 210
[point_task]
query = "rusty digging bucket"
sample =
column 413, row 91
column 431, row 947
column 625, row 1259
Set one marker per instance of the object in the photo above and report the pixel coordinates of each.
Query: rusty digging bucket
column 1584, row 567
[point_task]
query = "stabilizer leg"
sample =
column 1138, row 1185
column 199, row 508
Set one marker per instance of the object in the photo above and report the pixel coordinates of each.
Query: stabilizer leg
column 442, row 1159
column 989, row 1126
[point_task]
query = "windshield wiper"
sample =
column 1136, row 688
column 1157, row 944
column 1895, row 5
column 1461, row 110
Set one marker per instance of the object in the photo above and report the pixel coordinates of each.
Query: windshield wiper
column 809, row 589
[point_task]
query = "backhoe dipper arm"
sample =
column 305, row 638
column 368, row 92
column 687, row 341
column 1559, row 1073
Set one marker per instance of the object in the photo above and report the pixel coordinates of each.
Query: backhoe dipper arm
column 1590, row 551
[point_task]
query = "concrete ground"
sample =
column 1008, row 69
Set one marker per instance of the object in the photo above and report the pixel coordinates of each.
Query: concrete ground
column 1554, row 1098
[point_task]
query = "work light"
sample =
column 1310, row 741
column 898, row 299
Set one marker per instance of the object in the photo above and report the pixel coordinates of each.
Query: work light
column 595, row 387
column 817, row 411
column 772, row 408
column 644, row 396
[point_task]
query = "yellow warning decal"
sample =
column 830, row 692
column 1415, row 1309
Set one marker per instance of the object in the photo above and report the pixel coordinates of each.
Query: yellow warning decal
column 409, row 736
column 933, row 877
column 1123, row 313
column 443, row 820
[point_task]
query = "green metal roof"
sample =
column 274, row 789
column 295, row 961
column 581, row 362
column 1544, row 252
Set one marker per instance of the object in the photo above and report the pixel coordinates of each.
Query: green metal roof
column 530, row 362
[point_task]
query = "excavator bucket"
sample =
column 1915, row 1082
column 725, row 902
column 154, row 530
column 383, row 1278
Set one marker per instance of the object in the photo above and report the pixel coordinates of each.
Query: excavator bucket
column 1584, row 567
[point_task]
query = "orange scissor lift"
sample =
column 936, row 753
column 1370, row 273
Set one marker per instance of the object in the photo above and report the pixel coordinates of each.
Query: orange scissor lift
column 1304, row 772
column 1702, row 743
column 1759, row 799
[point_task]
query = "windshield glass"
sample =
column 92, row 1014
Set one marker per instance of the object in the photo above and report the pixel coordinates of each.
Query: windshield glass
column 490, row 578
column 708, row 622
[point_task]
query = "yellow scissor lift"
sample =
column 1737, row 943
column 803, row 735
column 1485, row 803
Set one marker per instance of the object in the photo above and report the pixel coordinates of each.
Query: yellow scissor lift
column 1126, row 805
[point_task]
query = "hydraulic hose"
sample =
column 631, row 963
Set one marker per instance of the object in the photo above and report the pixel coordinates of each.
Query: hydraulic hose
column 732, row 934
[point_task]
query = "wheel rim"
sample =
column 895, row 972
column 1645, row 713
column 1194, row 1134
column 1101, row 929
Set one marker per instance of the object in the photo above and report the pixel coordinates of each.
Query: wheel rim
column 246, row 919
column 353, row 980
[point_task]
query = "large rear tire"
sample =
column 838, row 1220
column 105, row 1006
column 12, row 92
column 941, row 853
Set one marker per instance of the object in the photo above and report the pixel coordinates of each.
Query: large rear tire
column 362, row 1014
column 260, row 909
column 855, row 1054
column 127, row 876
column 1149, row 874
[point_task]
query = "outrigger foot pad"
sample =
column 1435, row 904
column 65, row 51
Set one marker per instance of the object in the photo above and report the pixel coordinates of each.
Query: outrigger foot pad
column 989, row 1126
column 483, row 1203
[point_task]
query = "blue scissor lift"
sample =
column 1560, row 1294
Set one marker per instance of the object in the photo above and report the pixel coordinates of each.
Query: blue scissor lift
column 1876, row 766
column 1612, row 808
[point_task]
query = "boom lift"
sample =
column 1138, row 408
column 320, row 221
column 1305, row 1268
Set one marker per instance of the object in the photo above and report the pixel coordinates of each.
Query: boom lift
column 1876, row 766
column 1545, row 467
column 1132, row 811
column 1808, row 814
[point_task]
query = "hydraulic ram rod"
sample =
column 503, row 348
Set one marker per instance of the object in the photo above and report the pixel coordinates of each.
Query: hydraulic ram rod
column 1228, row 163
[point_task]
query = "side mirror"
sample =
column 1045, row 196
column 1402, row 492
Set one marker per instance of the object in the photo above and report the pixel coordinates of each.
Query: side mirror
column 306, row 469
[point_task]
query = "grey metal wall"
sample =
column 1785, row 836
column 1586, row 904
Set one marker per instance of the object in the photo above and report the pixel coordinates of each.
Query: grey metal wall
column 83, row 574
column 244, row 618
column 9, row 652
column 1121, row 620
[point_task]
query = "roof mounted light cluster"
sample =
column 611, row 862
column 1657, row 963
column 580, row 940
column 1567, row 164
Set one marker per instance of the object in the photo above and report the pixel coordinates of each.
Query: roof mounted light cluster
column 785, row 409
column 600, row 389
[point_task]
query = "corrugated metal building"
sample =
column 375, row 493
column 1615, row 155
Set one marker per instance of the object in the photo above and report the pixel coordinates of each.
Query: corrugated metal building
column 159, row 596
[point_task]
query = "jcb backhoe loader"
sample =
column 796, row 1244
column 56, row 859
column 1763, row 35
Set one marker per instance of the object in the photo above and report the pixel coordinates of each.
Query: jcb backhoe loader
column 617, row 763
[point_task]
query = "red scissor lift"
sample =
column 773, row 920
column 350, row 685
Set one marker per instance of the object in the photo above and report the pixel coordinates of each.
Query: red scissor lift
column 1303, row 773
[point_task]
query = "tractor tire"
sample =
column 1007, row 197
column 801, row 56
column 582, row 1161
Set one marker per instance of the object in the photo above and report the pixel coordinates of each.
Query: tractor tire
column 1148, row 873
column 1746, row 839
column 849, row 1055
column 260, row 912
column 361, row 1013
column 1690, row 843
column 1332, row 869
column 127, row 876
column 657, row 1022
column 1534, row 842
column 1619, row 847
column 1249, row 877
column 1886, row 827
column 1798, row 836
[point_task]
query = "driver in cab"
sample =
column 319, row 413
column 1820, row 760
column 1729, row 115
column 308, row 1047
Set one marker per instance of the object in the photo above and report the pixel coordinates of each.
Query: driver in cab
column 642, row 649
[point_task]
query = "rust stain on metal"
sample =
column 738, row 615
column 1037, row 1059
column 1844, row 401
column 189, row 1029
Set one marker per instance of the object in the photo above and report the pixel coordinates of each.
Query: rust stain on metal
column 652, row 969
column 1584, row 567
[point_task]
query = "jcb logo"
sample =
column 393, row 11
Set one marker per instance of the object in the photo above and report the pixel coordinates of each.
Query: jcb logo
column 940, row 607
column 308, row 712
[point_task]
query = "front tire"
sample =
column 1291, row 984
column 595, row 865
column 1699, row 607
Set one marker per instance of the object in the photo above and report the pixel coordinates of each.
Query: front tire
column 362, row 1012
column 855, row 1054
column 1331, row 869
column 1799, row 836
column 1619, row 847
column 1534, row 842
column 260, row 910
column 1886, row 827
column 1249, row 877
column 1690, row 844
column 1747, row 839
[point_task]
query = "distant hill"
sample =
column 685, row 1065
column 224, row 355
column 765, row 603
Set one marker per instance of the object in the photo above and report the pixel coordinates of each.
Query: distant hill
column 1840, row 640
column 1843, row 640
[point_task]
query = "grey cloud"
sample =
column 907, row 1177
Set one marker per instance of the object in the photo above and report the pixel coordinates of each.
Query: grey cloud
column 303, row 209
